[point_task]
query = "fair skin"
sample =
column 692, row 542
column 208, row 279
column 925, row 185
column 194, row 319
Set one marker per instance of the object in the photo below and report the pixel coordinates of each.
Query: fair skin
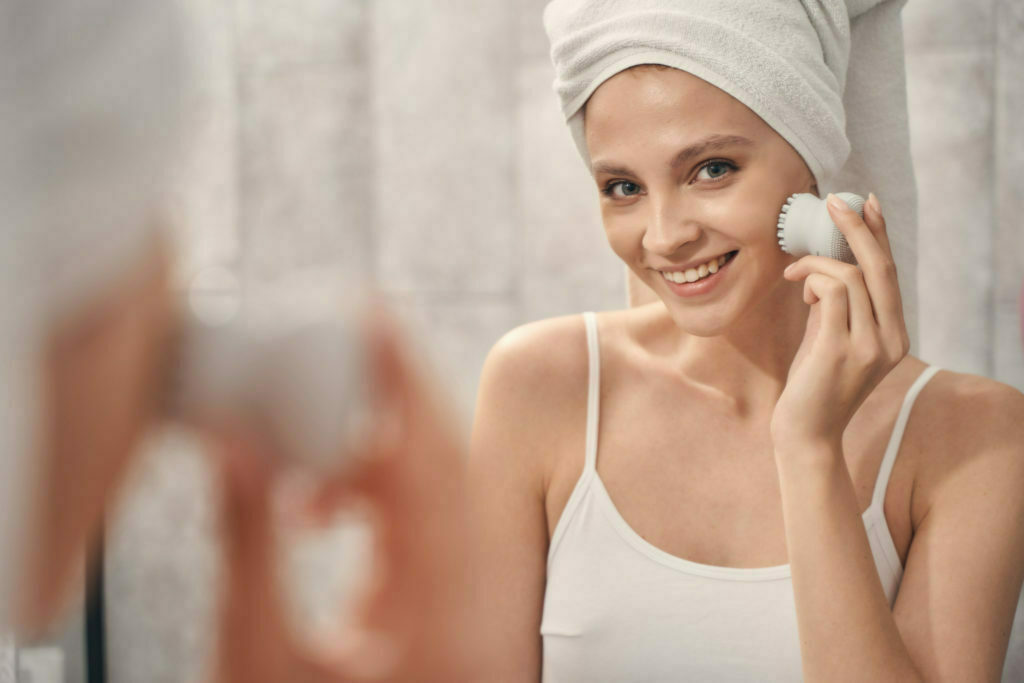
column 416, row 620
column 105, row 376
column 776, row 472
column 103, row 373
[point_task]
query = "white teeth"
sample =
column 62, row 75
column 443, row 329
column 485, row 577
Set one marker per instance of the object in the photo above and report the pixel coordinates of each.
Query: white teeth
column 694, row 274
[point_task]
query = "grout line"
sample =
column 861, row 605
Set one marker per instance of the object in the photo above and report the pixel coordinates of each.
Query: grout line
column 520, row 231
column 996, row 161
column 371, row 243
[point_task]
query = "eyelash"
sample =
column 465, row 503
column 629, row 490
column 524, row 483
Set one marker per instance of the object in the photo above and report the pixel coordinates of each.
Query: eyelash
column 607, row 189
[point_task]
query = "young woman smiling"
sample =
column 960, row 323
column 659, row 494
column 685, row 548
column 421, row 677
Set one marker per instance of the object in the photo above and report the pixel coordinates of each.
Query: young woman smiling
column 749, row 478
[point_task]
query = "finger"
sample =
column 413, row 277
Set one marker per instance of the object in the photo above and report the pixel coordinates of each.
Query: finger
column 251, row 613
column 876, row 223
column 893, row 326
column 862, row 316
column 829, row 295
column 255, row 643
column 362, row 655
column 310, row 502
column 875, row 260
column 413, row 420
column 394, row 389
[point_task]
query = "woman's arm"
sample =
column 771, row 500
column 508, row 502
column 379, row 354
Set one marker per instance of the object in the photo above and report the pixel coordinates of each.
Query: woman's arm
column 519, row 403
column 952, row 617
column 958, row 597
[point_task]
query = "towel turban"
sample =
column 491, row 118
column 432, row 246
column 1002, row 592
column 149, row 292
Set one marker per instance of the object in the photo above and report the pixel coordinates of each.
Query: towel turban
column 827, row 75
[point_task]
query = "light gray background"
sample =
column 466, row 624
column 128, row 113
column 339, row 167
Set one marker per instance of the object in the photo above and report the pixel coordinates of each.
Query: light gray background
column 419, row 144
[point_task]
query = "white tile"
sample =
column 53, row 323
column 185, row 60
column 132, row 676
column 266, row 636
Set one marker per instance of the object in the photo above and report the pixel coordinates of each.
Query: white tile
column 566, row 257
column 544, row 301
column 951, row 136
column 204, row 203
column 444, row 145
column 1009, row 194
column 306, row 179
column 161, row 567
column 1008, row 345
column 533, row 41
column 944, row 24
column 272, row 33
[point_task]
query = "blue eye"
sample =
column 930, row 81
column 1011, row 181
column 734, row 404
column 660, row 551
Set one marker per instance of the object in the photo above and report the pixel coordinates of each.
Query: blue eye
column 620, row 189
column 713, row 166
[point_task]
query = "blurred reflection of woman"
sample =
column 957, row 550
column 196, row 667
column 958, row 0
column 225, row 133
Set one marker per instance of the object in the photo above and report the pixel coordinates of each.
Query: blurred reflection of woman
column 748, row 477
column 92, row 124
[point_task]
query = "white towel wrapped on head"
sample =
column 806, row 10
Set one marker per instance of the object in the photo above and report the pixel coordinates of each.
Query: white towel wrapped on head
column 827, row 75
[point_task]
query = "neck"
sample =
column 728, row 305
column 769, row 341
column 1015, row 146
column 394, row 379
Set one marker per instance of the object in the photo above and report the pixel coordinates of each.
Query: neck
column 747, row 365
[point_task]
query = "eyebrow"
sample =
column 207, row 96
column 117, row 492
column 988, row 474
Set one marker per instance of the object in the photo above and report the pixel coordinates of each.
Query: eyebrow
column 708, row 144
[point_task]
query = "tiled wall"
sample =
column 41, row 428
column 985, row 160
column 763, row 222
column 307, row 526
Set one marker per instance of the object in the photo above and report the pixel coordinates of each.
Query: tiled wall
column 964, row 62
column 419, row 144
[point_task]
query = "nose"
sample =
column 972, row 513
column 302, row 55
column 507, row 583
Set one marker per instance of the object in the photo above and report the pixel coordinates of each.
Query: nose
column 670, row 224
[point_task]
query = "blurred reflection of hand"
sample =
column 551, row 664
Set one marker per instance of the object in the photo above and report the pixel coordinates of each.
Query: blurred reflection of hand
column 415, row 622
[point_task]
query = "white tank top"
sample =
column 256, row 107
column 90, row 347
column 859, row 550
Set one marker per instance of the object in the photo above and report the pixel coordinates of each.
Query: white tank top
column 617, row 609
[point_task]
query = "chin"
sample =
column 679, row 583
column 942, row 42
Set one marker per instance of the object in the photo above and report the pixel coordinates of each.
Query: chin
column 707, row 323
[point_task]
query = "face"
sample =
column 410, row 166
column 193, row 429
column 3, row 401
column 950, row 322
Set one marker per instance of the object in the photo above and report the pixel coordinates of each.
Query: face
column 670, row 199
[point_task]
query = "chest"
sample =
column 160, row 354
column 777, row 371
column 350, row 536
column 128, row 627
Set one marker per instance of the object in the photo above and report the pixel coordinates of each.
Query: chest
column 704, row 487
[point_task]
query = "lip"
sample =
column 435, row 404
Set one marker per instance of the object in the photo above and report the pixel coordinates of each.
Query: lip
column 700, row 287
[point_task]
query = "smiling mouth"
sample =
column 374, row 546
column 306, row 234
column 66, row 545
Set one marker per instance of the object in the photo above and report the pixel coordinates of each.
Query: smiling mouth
column 702, row 272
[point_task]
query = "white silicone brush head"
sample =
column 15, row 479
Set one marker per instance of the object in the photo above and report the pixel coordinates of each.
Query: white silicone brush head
column 302, row 378
column 805, row 227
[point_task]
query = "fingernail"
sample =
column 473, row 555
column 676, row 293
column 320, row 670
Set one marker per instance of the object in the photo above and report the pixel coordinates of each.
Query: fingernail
column 788, row 269
column 873, row 201
column 837, row 203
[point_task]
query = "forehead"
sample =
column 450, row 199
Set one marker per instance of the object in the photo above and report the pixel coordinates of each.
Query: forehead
column 663, row 106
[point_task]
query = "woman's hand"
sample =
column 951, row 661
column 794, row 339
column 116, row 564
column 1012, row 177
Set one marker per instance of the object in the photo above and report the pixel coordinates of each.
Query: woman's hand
column 855, row 332
column 416, row 621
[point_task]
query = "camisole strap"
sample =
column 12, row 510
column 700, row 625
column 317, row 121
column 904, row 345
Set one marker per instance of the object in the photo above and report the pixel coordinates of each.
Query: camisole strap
column 882, row 482
column 593, row 392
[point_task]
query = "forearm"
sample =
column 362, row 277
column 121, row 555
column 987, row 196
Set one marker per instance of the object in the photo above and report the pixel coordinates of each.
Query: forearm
column 846, row 627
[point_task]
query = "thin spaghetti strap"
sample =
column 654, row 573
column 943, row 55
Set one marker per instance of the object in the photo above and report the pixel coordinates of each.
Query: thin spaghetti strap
column 593, row 391
column 882, row 482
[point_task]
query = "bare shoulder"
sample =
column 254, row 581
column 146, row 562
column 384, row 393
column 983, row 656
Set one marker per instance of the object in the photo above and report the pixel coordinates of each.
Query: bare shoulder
column 969, row 428
column 965, row 408
column 533, row 381
column 540, row 358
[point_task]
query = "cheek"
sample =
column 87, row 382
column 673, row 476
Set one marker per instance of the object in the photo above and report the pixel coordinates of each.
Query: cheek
column 623, row 232
column 749, row 216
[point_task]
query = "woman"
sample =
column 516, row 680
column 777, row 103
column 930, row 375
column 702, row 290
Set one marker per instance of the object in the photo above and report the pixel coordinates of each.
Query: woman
column 728, row 483
column 93, row 124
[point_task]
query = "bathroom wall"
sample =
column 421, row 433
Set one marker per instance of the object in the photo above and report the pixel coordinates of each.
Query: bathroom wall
column 420, row 145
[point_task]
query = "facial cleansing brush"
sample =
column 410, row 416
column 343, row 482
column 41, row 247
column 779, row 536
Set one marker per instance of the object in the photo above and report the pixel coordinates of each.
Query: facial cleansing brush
column 302, row 383
column 805, row 227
